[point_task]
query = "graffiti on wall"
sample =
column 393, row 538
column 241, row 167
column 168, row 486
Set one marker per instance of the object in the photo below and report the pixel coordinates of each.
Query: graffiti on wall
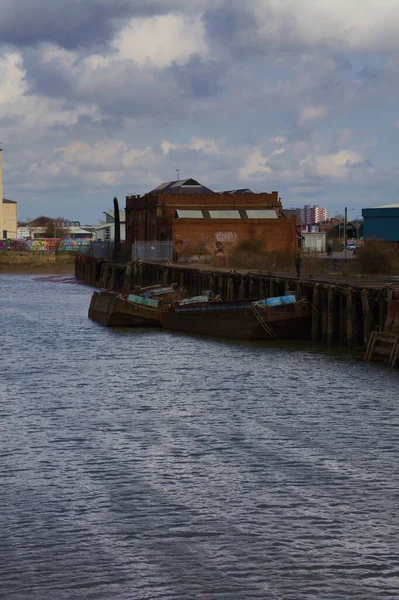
column 226, row 236
column 45, row 245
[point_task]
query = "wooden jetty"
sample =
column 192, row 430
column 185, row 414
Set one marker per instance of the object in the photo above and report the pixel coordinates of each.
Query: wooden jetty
column 344, row 311
column 384, row 345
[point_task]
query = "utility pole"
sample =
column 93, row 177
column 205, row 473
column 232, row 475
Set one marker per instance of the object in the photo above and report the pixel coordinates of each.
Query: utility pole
column 345, row 229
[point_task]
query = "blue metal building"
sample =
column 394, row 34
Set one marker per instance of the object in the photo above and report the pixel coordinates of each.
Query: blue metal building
column 381, row 222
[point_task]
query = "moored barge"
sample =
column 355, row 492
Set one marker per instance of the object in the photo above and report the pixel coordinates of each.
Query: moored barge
column 284, row 317
column 133, row 310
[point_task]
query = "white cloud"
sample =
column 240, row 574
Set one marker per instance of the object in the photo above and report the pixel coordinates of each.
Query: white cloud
column 168, row 146
column 32, row 111
column 12, row 84
column 309, row 114
column 158, row 41
column 333, row 165
column 357, row 25
column 254, row 167
column 205, row 146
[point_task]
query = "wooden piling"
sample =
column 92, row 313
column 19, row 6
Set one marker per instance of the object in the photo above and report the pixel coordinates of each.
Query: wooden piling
column 241, row 289
column 113, row 278
column 251, row 287
column 230, row 289
column 324, row 314
column 315, row 312
column 263, row 288
column 367, row 316
column 330, row 315
column 342, row 319
column 349, row 318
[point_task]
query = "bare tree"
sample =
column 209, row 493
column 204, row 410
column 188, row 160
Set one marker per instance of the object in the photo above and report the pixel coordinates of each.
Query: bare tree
column 56, row 228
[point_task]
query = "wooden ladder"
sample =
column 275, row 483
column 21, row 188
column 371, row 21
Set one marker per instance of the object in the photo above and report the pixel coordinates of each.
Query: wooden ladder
column 383, row 346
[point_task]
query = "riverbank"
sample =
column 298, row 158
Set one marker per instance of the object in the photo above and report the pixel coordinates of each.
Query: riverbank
column 41, row 263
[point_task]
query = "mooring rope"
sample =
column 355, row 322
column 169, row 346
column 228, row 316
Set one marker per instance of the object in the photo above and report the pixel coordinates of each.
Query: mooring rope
column 265, row 326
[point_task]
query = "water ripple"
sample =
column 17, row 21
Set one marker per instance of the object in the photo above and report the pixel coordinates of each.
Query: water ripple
column 149, row 465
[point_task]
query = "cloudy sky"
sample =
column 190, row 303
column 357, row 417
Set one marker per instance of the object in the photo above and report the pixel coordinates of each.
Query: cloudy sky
column 109, row 97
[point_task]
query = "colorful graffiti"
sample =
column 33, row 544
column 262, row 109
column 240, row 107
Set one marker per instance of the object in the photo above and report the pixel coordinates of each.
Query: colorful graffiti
column 46, row 245
column 71, row 244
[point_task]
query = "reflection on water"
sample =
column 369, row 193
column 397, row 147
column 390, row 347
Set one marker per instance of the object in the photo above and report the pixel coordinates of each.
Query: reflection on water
column 145, row 464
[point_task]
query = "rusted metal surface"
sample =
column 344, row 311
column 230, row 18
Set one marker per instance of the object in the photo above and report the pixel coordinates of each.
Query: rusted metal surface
column 242, row 320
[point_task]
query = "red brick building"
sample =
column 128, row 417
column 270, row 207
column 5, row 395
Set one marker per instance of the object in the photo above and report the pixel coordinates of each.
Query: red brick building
column 200, row 221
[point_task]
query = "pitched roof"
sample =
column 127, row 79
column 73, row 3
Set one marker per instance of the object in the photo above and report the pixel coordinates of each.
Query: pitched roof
column 122, row 216
column 239, row 191
column 183, row 186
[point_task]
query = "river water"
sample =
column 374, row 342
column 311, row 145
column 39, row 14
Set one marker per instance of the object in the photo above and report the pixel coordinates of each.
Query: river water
column 150, row 465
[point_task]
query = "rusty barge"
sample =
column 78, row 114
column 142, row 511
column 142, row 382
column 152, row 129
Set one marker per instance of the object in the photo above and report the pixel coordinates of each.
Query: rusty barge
column 272, row 319
column 142, row 309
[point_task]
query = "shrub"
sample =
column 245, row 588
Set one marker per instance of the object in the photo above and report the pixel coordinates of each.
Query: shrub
column 250, row 254
column 375, row 257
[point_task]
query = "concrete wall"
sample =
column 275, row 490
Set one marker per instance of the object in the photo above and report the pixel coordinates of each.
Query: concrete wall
column 314, row 242
column 199, row 236
column 10, row 219
column 1, row 195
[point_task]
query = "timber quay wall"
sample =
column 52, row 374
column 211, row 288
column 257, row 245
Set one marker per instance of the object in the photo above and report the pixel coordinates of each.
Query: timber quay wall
column 344, row 312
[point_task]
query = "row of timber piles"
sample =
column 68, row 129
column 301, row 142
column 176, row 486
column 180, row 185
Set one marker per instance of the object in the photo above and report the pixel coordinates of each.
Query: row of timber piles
column 341, row 313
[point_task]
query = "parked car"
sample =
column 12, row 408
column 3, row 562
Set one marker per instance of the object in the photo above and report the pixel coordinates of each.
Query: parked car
column 351, row 246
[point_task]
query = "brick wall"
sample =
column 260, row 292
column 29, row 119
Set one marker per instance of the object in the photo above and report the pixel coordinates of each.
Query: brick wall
column 200, row 236
column 263, row 200
column 151, row 217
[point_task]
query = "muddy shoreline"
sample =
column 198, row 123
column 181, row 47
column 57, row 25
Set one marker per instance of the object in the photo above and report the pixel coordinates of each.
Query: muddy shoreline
column 50, row 269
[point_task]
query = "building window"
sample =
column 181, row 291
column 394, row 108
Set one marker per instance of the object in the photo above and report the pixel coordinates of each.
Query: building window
column 107, row 233
column 4, row 234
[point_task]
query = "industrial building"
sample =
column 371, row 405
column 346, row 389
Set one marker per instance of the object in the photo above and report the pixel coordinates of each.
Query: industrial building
column 198, row 220
column 381, row 223
column 39, row 227
column 105, row 231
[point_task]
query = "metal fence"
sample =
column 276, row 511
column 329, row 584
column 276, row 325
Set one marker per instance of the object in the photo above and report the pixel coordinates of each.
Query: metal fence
column 101, row 249
column 152, row 251
column 105, row 249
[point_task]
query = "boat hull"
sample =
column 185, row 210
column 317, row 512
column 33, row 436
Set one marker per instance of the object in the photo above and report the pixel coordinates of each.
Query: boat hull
column 113, row 311
column 288, row 321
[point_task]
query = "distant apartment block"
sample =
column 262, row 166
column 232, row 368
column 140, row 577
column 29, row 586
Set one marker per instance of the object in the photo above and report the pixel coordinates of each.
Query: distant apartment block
column 313, row 215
